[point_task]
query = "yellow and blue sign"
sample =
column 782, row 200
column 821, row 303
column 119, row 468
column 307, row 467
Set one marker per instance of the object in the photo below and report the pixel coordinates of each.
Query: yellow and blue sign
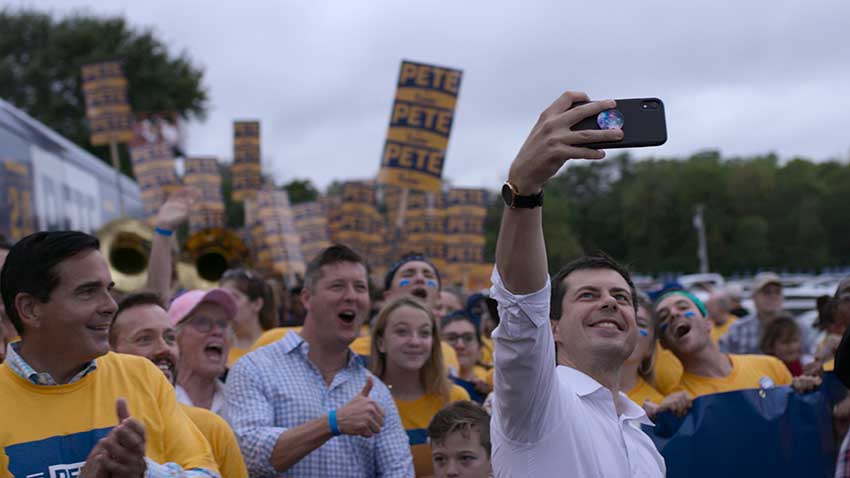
column 153, row 165
column 202, row 174
column 247, row 173
column 16, row 197
column 107, row 107
column 420, row 124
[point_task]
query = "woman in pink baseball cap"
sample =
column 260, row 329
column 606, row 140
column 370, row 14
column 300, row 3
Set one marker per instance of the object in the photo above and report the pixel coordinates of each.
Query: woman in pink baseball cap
column 204, row 334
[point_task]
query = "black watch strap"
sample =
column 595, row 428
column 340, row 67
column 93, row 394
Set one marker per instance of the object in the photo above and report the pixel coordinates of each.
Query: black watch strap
column 514, row 200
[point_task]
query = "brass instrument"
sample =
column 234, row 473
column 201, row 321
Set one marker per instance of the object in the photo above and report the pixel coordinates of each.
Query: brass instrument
column 211, row 251
column 126, row 245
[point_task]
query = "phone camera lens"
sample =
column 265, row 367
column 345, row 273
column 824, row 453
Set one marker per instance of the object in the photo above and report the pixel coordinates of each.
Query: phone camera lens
column 649, row 105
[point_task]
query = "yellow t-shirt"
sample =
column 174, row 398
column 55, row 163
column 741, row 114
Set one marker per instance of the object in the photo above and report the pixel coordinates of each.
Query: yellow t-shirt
column 643, row 391
column 50, row 430
column 362, row 345
column 225, row 448
column 236, row 354
column 718, row 331
column 415, row 417
column 748, row 371
column 668, row 370
column 269, row 336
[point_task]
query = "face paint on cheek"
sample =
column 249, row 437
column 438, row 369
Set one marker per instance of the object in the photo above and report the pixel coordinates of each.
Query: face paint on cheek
column 689, row 314
column 644, row 333
column 431, row 283
column 404, row 283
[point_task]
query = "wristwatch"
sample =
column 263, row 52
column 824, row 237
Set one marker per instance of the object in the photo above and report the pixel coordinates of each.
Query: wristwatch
column 512, row 198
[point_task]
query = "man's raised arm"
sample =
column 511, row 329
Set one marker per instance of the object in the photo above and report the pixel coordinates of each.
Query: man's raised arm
column 520, row 251
column 524, row 356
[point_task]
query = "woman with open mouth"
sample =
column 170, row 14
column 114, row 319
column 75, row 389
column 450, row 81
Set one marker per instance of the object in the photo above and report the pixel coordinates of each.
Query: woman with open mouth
column 204, row 334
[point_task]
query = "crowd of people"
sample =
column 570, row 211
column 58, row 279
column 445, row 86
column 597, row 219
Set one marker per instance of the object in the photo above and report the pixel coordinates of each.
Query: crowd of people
column 535, row 377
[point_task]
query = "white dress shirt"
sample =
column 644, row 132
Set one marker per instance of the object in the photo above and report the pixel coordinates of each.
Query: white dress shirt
column 557, row 421
column 217, row 405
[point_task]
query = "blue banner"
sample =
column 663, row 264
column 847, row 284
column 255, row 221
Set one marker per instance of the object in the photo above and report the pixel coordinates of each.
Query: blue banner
column 749, row 433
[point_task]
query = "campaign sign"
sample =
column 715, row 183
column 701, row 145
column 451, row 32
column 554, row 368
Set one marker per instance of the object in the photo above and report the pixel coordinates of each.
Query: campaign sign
column 107, row 107
column 247, row 173
column 772, row 432
column 16, row 198
column 420, row 124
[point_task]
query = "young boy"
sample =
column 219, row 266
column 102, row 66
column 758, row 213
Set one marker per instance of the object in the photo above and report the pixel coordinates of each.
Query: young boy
column 460, row 441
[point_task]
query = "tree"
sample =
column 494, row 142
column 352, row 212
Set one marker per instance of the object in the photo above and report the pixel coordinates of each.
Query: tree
column 41, row 58
column 300, row 190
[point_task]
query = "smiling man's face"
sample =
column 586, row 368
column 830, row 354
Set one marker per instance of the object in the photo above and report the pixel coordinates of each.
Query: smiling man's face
column 597, row 326
column 145, row 330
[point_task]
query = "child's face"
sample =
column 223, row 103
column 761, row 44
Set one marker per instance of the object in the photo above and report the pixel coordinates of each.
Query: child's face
column 460, row 455
column 788, row 349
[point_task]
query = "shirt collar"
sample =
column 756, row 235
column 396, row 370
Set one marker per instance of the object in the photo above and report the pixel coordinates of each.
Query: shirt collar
column 18, row 365
column 584, row 385
column 294, row 341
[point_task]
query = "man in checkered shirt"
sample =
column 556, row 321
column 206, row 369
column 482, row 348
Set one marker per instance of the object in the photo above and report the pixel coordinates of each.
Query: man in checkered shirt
column 744, row 335
column 305, row 405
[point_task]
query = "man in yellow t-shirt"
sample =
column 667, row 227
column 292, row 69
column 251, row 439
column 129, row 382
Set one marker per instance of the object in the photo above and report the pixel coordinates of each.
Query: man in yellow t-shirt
column 65, row 400
column 141, row 327
column 683, row 328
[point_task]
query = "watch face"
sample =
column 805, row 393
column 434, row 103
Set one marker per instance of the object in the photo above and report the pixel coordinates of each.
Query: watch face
column 507, row 194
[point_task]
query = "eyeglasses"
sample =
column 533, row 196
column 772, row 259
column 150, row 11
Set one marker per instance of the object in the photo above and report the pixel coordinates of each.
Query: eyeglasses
column 467, row 338
column 205, row 324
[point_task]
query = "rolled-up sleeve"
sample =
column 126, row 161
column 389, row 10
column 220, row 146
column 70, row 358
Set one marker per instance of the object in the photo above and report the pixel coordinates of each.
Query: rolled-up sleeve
column 250, row 413
column 526, row 393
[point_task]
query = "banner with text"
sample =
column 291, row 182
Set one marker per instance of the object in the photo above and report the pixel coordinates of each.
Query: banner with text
column 311, row 222
column 16, row 200
column 279, row 234
column 247, row 173
column 420, row 124
column 153, row 166
column 203, row 175
column 107, row 107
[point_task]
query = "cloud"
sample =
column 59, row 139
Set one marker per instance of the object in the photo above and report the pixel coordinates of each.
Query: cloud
column 742, row 77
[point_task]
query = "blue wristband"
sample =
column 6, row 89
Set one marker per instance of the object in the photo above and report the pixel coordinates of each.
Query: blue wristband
column 332, row 423
column 163, row 232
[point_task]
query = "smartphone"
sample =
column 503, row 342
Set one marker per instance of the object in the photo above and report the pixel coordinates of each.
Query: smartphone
column 641, row 119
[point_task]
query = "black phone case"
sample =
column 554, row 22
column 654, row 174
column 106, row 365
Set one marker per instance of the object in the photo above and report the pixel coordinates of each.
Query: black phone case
column 642, row 126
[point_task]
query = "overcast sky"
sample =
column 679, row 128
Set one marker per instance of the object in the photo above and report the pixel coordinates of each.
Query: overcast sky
column 745, row 77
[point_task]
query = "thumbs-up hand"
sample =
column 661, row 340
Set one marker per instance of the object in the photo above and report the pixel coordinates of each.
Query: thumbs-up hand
column 361, row 416
column 121, row 453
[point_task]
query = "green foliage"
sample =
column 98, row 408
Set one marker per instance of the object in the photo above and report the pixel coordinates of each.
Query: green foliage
column 41, row 57
column 759, row 213
column 300, row 190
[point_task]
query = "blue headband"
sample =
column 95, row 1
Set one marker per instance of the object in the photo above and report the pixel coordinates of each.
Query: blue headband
column 688, row 295
column 388, row 280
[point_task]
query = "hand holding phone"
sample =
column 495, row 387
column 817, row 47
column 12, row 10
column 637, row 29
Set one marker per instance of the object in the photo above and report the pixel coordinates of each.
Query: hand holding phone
column 641, row 119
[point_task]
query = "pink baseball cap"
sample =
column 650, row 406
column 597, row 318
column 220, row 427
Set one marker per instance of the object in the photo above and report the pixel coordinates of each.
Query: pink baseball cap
column 182, row 306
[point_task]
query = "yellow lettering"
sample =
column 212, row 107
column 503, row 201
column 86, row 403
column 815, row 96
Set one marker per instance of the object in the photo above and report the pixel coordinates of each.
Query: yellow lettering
column 452, row 82
column 435, row 165
column 400, row 111
column 391, row 152
column 408, row 72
